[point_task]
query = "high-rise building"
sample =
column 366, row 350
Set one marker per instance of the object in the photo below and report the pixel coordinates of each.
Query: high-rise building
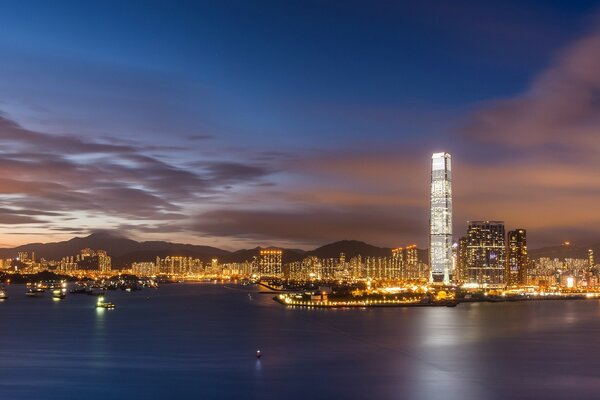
column 461, row 260
column 591, row 258
column 23, row 256
column 144, row 268
column 517, row 258
column 440, row 223
column 93, row 260
column 486, row 253
column 270, row 263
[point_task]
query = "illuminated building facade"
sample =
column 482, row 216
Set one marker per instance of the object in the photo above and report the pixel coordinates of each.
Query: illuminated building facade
column 461, row 275
column 591, row 258
column 144, row 268
column 270, row 263
column 486, row 253
column 91, row 260
column 517, row 258
column 440, row 223
column 178, row 265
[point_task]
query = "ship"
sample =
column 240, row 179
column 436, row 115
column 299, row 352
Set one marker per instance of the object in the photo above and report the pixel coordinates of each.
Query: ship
column 104, row 304
column 60, row 292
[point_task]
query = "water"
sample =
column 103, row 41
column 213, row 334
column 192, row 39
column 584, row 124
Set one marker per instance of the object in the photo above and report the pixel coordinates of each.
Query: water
column 199, row 341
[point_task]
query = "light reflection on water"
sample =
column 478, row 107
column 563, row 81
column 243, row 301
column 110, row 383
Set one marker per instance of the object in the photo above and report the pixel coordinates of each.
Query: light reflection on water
column 200, row 341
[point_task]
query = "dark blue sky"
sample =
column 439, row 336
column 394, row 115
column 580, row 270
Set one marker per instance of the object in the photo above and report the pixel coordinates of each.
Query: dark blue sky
column 290, row 104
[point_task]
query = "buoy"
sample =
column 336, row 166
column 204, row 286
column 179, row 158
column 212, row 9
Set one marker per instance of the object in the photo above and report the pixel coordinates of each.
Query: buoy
column 257, row 353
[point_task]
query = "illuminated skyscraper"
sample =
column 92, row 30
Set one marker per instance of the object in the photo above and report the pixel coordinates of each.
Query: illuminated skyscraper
column 440, row 223
column 461, row 260
column 270, row 263
column 517, row 259
column 486, row 253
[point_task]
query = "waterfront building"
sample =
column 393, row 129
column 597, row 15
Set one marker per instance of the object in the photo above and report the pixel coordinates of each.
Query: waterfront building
column 90, row 260
column 357, row 267
column 440, row 239
column 398, row 262
column 179, row 265
column 461, row 274
column 486, row 253
column 144, row 268
column 413, row 269
column 591, row 258
column 270, row 263
column 517, row 258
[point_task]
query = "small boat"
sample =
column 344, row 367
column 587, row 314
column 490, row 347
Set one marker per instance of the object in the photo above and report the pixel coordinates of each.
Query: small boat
column 59, row 293
column 34, row 293
column 3, row 294
column 104, row 304
column 250, row 297
column 258, row 354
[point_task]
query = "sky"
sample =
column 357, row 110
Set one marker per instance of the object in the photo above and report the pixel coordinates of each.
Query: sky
column 297, row 123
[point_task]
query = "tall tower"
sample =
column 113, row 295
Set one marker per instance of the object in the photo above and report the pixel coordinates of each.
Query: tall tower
column 516, row 257
column 440, row 223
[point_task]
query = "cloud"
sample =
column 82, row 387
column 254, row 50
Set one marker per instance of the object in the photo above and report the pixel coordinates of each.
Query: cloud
column 309, row 226
column 199, row 137
column 50, row 179
column 530, row 160
column 561, row 109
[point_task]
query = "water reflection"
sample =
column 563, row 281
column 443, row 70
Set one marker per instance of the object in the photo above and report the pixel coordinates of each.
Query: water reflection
column 443, row 365
column 199, row 341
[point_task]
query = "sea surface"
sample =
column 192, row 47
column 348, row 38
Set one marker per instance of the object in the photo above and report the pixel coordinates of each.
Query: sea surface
column 198, row 341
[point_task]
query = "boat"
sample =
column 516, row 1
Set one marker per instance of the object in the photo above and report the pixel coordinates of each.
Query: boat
column 104, row 304
column 258, row 354
column 34, row 293
column 3, row 294
column 60, row 292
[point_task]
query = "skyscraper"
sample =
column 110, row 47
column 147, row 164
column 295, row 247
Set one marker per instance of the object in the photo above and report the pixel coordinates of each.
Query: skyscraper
column 270, row 263
column 440, row 223
column 486, row 253
column 517, row 259
column 461, row 261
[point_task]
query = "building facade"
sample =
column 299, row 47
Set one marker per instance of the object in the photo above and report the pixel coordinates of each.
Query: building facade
column 517, row 258
column 270, row 263
column 440, row 223
column 486, row 253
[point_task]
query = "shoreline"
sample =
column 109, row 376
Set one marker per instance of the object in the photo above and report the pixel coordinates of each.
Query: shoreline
column 447, row 303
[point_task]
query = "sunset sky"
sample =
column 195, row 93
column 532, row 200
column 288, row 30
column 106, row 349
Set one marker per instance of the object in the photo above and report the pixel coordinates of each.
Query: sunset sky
column 243, row 123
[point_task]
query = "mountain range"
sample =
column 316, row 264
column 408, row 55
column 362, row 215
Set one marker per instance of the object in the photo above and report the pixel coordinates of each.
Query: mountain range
column 124, row 251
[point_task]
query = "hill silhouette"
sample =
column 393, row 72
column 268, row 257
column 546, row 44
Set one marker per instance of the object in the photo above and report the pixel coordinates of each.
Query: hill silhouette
column 124, row 251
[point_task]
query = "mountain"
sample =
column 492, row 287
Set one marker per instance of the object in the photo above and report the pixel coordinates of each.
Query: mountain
column 122, row 249
column 565, row 251
column 351, row 248
column 289, row 255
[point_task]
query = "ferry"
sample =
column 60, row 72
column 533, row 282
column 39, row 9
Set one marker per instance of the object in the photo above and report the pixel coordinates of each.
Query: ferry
column 60, row 292
column 104, row 304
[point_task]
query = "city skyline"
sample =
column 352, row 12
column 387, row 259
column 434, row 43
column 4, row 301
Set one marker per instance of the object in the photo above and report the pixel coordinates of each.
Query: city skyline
column 197, row 138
